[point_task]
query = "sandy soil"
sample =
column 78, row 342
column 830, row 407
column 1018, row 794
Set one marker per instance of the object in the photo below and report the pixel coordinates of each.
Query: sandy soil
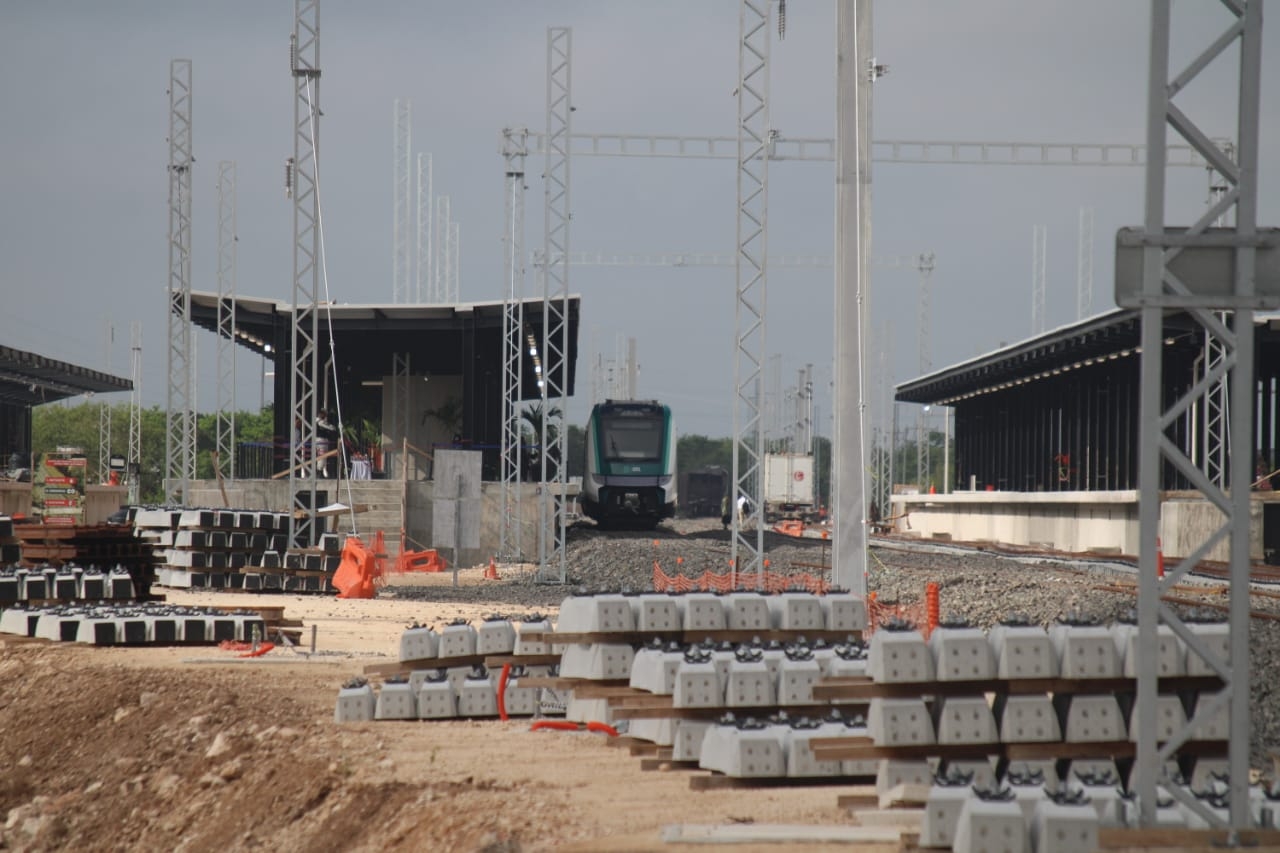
column 196, row 749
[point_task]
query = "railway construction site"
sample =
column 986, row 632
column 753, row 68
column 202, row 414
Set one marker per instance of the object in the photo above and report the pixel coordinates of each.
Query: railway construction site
column 200, row 748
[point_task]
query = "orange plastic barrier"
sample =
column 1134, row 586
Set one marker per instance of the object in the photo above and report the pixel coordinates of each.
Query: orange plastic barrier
column 420, row 561
column 917, row 613
column 354, row 577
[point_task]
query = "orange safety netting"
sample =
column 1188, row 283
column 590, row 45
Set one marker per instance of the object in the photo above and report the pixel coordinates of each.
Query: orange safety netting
column 924, row 614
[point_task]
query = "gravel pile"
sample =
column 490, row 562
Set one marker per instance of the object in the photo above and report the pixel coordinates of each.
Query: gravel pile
column 977, row 585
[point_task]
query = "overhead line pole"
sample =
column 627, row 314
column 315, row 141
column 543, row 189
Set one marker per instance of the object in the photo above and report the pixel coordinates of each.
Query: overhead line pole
column 554, row 380
column 304, row 64
column 179, row 452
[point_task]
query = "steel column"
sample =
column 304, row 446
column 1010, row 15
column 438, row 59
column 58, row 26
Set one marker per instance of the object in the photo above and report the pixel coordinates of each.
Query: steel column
column 554, row 382
column 179, row 448
column 225, row 438
column 304, row 61
column 1162, row 291
column 514, row 151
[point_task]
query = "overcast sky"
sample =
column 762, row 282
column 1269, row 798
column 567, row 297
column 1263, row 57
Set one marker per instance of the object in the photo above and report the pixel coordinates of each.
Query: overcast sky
column 84, row 210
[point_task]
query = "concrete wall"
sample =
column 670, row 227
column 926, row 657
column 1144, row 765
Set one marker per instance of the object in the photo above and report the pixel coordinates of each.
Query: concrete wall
column 1064, row 521
column 1071, row 521
column 383, row 498
column 15, row 499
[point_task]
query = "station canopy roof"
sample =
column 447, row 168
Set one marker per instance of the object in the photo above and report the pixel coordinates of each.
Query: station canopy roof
column 28, row 379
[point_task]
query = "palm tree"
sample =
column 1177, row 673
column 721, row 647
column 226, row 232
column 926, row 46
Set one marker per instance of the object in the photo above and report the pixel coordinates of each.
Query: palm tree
column 532, row 416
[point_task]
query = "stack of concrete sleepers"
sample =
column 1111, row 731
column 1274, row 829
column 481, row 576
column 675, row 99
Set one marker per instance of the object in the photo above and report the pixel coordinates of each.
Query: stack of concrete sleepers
column 454, row 670
column 130, row 623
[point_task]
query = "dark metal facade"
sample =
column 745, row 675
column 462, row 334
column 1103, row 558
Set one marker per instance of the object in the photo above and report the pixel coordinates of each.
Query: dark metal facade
column 1060, row 412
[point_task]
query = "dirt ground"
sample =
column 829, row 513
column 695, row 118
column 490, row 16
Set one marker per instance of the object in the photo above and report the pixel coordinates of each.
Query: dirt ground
column 196, row 749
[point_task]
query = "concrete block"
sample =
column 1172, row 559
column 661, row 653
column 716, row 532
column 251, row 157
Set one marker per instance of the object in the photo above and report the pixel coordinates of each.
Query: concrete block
column 702, row 611
column 843, row 611
column 1212, row 632
column 436, row 699
column 745, row 749
column 1100, row 783
column 8, row 586
column 594, row 613
column 655, row 612
column 1170, row 653
column 722, row 654
column 796, row 611
column 897, row 722
column 120, row 584
column 495, row 636
column 654, row 667
column 93, row 584
column 478, row 696
column 966, row 720
column 1089, row 719
column 799, row 748
column 898, row 654
column 1027, row 796
column 774, row 654
column 824, row 655
column 64, row 584
column 961, row 653
column 50, row 624
column 982, row 772
column 892, row 772
column 197, row 629
column 748, row 683
column 990, row 826
column 747, row 611
column 1043, row 772
column 854, row 725
column 1215, row 727
column 1027, row 719
column 688, row 739
column 588, row 710
column 597, row 661
column 1064, row 825
column 528, row 625
column 1085, row 650
column 850, row 660
column 33, row 586
column 942, row 812
column 519, row 701
column 396, row 701
column 698, row 684
column 1171, row 718
column 19, row 621
column 356, row 702
column 457, row 675
column 457, row 639
column 660, row 732
column 798, row 672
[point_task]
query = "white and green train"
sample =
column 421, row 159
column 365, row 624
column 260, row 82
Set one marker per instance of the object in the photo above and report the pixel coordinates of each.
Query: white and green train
column 630, row 476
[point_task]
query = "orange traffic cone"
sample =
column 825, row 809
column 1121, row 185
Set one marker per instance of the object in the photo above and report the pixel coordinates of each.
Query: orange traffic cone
column 491, row 573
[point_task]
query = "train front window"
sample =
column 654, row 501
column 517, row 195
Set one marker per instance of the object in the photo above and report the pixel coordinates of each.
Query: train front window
column 632, row 439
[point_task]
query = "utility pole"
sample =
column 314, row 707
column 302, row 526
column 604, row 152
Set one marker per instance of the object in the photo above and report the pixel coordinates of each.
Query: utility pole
column 133, row 466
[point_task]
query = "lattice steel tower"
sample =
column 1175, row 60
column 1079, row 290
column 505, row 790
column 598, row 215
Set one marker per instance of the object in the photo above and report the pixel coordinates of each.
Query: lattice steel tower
column 225, row 439
column 304, row 66
column 514, row 151
column 1201, row 297
column 754, row 140
column 180, row 432
column 554, row 380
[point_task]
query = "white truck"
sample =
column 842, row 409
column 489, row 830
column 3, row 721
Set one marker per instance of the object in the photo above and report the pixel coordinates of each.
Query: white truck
column 789, row 487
